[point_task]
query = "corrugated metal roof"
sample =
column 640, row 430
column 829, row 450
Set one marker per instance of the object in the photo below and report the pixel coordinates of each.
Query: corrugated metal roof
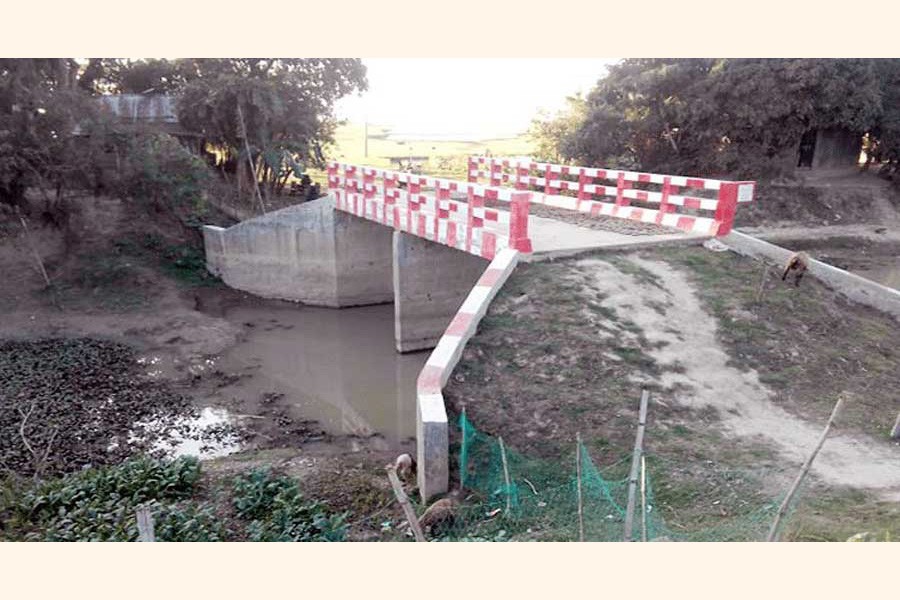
column 141, row 108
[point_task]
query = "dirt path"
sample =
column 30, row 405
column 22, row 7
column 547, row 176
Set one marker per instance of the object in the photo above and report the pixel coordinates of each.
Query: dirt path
column 686, row 334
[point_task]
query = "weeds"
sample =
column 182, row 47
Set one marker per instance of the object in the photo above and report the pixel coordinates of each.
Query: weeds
column 98, row 504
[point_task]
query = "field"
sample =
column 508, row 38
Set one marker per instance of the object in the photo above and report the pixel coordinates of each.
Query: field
column 446, row 158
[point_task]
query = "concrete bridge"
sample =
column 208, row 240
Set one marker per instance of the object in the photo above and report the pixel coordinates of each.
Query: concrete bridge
column 440, row 250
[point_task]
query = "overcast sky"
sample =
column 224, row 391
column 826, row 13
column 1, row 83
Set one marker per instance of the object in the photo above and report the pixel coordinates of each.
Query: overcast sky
column 469, row 98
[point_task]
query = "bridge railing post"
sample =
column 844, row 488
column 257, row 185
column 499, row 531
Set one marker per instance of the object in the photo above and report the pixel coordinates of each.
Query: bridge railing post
column 726, row 208
column 518, row 221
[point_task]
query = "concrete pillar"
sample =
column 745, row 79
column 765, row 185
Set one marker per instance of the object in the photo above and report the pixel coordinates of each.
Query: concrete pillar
column 214, row 243
column 362, row 261
column 430, row 283
column 432, row 446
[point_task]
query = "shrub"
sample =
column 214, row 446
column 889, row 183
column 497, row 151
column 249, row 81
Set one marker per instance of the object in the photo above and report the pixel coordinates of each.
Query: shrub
column 279, row 513
column 159, row 171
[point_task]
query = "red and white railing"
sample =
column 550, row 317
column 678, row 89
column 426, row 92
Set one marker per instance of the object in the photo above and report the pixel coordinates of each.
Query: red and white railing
column 670, row 200
column 422, row 206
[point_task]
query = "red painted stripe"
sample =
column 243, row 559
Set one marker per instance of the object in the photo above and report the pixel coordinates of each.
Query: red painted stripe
column 636, row 214
column 451, row 234
column 420, row 231
column 686, row 223
column 695, row 183
column 488, row 245
column 490, row 215
column 490, row 277
column 459, row 324
column 641, row 196
column 429, row 380
column 692, row 203
column 644, row 177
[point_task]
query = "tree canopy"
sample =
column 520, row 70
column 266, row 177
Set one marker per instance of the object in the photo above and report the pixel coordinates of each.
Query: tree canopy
column 741, row 117
column 281, row 110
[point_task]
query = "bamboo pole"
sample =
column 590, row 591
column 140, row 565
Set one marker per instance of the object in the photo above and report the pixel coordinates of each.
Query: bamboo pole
column 505, row 475
column 262, row 206
column 635, row 465
column 404, row 503
column 773, row 532
column 643, row 500
column 580, row 497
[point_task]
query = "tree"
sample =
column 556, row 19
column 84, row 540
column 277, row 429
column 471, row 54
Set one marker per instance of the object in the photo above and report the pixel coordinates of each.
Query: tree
column 738, row 117
column 40, row 106
column 282, row 109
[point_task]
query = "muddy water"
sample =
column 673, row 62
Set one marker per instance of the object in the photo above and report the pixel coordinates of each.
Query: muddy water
column 336, row 367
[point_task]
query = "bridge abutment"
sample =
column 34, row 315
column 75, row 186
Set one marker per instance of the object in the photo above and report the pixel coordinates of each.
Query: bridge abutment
column 430, row 283
column 307, row 253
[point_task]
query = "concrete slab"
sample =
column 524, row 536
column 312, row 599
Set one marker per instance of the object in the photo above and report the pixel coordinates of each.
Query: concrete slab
column 551, row 238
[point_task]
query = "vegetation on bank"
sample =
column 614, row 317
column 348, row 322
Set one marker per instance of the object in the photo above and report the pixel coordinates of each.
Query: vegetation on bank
column 99, row 504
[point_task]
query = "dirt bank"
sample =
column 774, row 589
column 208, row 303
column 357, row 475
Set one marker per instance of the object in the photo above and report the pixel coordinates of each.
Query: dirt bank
column 138, row 294
column 740, row 387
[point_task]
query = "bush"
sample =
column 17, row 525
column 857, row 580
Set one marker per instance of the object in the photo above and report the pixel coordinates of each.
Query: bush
column 279, row 513
column 99, row 504
column 160, row 172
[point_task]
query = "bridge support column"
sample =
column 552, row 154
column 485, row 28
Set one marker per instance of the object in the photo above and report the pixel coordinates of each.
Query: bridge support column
column 430, row 283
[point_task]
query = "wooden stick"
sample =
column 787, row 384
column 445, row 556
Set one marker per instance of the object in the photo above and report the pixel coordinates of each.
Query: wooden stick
column 505, row 475
column 262, row 206
column 578, row 476
column 635, row 465
column 643, row 500
column 31, row 245
column 145, row 524
column 773, row 532
column 762, row 283
column 404, row 503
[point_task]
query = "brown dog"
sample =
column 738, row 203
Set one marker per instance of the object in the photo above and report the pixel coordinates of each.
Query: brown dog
column 796, row 265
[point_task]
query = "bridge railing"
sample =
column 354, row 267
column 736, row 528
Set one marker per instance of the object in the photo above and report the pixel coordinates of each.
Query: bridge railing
column 693, row 204
column 423, row 206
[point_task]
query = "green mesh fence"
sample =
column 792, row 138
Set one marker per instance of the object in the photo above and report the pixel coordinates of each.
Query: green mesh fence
column 540, row 500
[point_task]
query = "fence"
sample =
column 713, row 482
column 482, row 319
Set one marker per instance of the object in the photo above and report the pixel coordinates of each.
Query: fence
column 661, row 199
column 422, row 206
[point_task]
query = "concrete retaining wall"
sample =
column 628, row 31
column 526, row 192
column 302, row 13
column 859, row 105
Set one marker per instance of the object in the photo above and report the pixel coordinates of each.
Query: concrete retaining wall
column 432, row 432
column 856, row 288
column 308, row 253
column 430, row 283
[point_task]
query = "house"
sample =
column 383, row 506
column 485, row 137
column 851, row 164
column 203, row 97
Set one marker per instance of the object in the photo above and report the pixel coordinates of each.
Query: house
column 829, row 148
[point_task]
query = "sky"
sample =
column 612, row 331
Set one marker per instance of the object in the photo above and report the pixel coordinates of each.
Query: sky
column 466, row 98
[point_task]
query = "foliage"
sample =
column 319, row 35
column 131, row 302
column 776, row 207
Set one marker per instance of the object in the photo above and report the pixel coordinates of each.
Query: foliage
column 157, row 170
column 278, row 512
column 99, row 503
column 546, row 131
column 723, row 116
column 280, row 108
column 40, row 108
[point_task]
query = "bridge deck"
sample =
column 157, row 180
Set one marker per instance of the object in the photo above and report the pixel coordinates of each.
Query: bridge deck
column 551, row 237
